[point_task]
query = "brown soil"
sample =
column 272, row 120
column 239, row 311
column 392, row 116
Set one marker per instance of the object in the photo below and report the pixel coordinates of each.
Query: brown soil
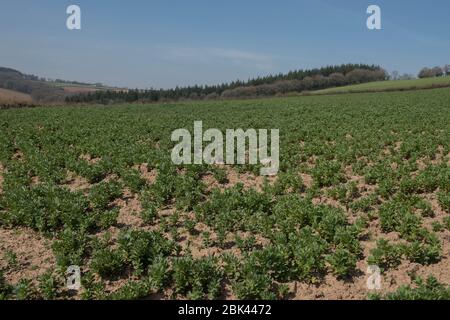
column 130, row 207
column 149, row 175
column 307, row 180
column 34, row 254
column 89, row 158
column 35, row 181
column 76, row 183
column 18, row 155
column 249, row 180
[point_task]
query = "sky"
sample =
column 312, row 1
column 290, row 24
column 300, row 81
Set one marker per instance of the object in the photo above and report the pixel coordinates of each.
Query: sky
column 165, row 43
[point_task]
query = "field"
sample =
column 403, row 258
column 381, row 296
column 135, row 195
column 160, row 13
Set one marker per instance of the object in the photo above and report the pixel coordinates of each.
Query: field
column 392, row 85
column 81, row 88
column 13, row 97
column 364, row 180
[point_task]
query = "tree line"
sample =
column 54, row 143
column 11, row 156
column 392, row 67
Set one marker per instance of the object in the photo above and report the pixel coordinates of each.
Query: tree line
column 293, row 81
column 434, row 72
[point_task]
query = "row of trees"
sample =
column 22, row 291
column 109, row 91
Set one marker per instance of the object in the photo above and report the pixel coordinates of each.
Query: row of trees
column 434, row 72
column 316, row 82
column 294, row 81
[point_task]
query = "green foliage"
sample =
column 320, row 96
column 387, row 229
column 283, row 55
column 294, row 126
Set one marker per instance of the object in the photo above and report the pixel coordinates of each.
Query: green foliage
column 381, row 138
column 24, row 290
column 342, row 262
column 47, row 208
column 71, row 248
column 444, row 200
column 48, row 286
column 220, row 175
column 160, row 273
column 308, row 252
column 131, row 291
column 429, row 289
column 107, row 218
column 246, row 243
column 447, row 222
column 102, row 194
column 140, row 248
column 290, row 182
column 197, row 279
column 437, row 226
column 92, row 289
column 327, row 173
column 149, row 212
column 254, row 287
column 107, row 263
column 11, row 259
column 6, row 289
column 386, row 255
column 190, row 226
column 426, row 252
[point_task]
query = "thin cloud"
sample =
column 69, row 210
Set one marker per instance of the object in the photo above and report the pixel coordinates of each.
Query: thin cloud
column 218, row 55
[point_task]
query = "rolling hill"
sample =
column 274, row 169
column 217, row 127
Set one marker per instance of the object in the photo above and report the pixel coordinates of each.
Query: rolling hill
column 390, row 85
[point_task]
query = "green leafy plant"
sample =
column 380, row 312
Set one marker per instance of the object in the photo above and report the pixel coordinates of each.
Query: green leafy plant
column 48, row 286
column 6, row 289
column 197, row 278
column 386, row 255
column 140, row 248
column 342, row 262
column 160, row 273
column 11, row 259
column 429, row 289
column 107, row 263
column 24, row 290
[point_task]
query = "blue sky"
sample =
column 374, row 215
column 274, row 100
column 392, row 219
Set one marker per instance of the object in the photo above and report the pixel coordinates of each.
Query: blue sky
column 164, row 43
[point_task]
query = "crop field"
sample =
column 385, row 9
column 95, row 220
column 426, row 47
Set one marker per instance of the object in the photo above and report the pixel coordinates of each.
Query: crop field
column 392, row 85
column 10, row 97
column 364, row 181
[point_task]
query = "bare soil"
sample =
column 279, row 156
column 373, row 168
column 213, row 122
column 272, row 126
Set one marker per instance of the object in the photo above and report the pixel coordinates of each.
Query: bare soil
column 33, row 252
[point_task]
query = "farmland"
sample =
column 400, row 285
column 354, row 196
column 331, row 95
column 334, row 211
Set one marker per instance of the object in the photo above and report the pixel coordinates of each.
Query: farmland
column 390, row 85
column 363, row 180
column 11, row 97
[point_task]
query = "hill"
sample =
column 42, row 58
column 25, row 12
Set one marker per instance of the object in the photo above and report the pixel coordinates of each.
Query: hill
column 271, row 85
column 27, row 88
column 390, row 85
column 14, row 97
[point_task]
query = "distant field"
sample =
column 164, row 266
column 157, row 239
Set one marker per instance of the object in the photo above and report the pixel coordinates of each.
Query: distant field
column 390, row 86
column 10, row 96
column 80, row 88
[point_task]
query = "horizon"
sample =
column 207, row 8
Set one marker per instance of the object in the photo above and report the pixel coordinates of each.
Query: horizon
column 164, row 45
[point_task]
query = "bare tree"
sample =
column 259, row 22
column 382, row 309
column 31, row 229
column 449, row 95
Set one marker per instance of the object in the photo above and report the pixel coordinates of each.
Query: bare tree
column 438, row 72
column 426, row 73
column 336, row 79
